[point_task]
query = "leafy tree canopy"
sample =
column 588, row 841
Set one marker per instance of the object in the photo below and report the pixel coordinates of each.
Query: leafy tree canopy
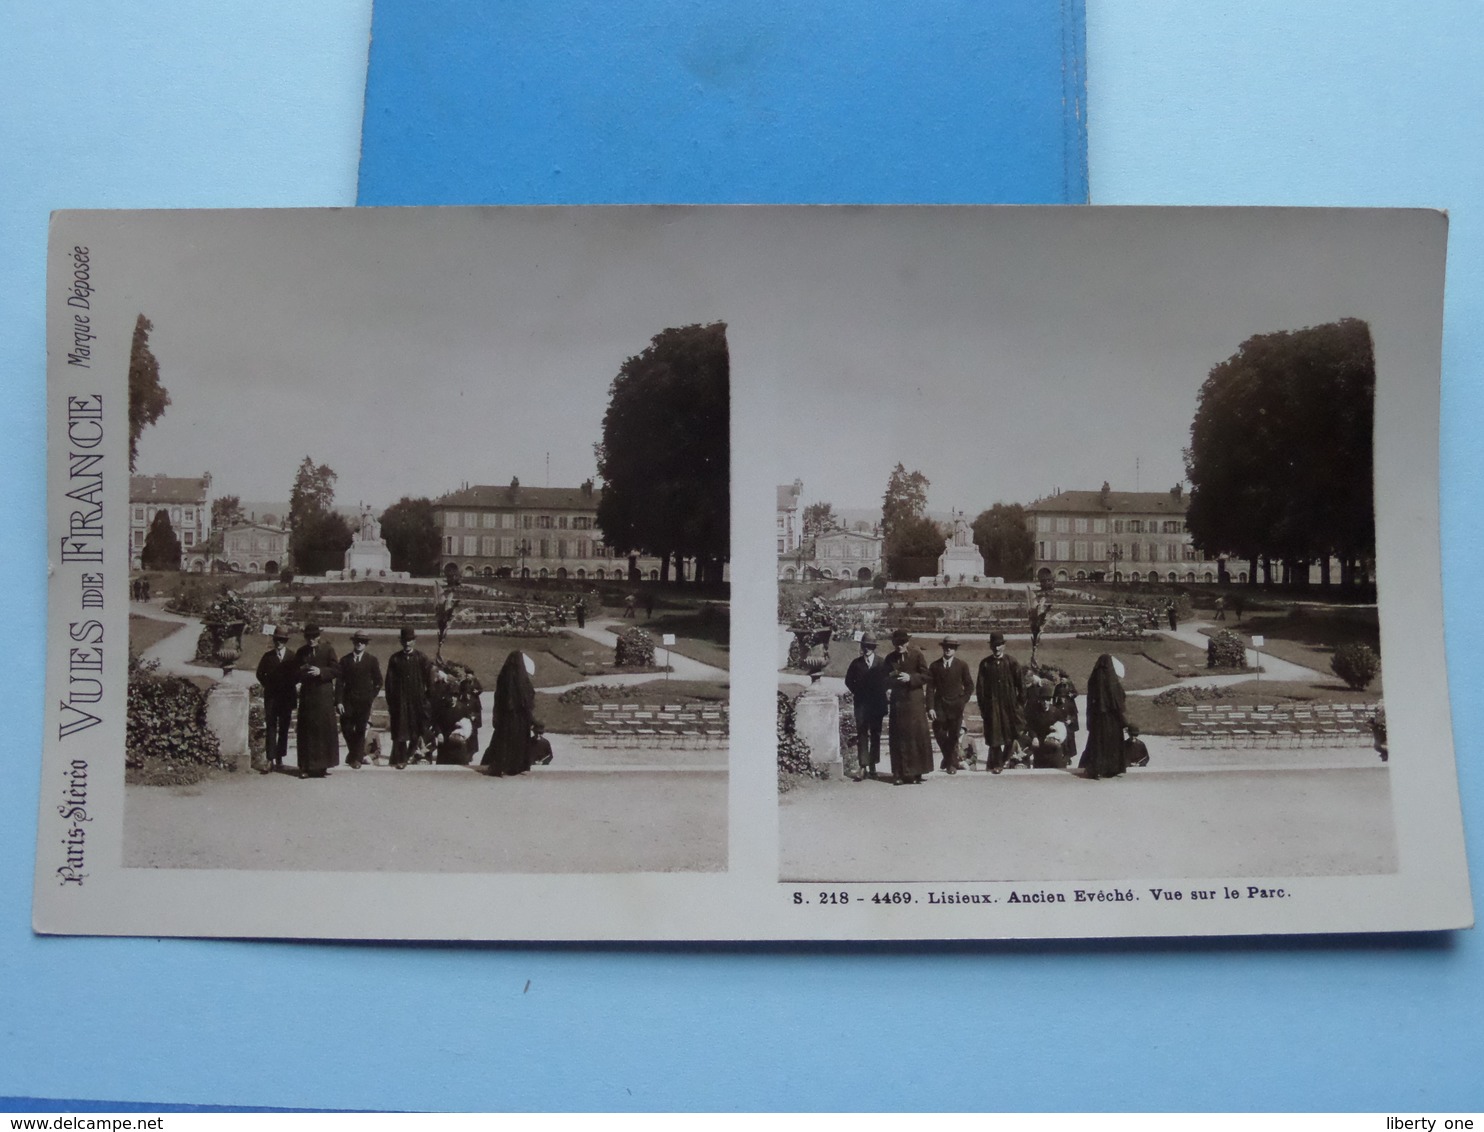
column 412, row 536
column 1281, row 451
column 1005, row 541
column 819, row 518
column 318, row 535
column 226, row 511
column 665, row 456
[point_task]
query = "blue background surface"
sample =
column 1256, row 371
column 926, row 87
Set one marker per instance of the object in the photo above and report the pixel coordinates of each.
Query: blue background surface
column 164, row 104
column 721, row 101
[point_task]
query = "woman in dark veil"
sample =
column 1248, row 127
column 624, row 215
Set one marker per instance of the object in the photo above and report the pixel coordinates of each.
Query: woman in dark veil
column 1106, row 720
column 511, row 719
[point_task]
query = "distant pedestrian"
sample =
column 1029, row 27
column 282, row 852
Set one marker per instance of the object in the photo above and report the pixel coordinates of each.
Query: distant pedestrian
column 582, row 613
column 1238, row 604
column 1173, row 615
column 1220, row 608
column 649, row 606
column 628, row 605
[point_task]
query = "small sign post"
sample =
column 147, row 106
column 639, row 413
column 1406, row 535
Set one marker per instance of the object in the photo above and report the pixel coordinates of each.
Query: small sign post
column 1258, row 640
column 668, row 640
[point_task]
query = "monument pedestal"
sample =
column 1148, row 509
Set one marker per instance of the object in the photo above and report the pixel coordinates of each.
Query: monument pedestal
column 817, row 722
column 965, row 561
column 226, row 715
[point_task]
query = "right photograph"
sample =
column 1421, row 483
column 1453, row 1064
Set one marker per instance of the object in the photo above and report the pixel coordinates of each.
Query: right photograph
column 1077, row 559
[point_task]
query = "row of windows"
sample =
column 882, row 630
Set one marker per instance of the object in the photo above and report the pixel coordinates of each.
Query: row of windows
column 472, row 571
column 1063, row 550
column 1062, row 525
column 492, row 546
column 146, row 514
column 187, row 538
column 506, row 520
column 1135, row 576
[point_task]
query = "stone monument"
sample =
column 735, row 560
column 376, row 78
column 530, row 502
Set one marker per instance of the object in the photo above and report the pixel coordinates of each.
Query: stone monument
column 960, row 557
column 368, row 556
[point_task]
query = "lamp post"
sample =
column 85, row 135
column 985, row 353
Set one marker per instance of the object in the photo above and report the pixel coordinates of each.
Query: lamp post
column 1115, row 556
column 523, row 548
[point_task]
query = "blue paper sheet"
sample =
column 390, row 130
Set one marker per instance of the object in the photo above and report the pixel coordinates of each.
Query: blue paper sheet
column 678, row 101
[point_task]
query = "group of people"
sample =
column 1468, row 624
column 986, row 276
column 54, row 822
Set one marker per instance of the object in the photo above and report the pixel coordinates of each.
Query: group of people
column 434, row 711
column 1028, row 719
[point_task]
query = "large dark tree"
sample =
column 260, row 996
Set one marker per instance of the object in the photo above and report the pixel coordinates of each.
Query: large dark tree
column 1281, row 450
column 161, row 545
column 318, row 536
column 147, row 397
column 1006, row 542
column 905, row 498
column 913, row 549
column 412, row 536
column 665, row 456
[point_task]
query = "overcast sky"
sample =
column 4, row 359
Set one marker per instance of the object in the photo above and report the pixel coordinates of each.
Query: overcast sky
column 1003, row 352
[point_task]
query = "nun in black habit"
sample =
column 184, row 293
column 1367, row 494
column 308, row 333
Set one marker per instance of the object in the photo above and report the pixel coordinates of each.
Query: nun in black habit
column 1106, row 720
column 512, row 717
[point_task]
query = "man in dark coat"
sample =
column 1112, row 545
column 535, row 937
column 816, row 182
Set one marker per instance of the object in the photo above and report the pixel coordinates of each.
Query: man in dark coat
column 911, row 747
column 1000, row 690
column 865, row 679
column 360, row 680
column 582, row 613
column 409, row 682
column 278, row 672
column 949, row 686
column 318, row 742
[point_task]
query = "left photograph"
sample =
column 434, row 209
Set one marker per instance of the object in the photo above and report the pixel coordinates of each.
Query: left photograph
column 428, row 542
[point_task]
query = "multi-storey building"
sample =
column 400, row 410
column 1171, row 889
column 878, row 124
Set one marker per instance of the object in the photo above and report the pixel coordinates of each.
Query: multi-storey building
column 789, row 535
column 1119, row 535
column 186, row 500
column 255, row 548
column 531, row 532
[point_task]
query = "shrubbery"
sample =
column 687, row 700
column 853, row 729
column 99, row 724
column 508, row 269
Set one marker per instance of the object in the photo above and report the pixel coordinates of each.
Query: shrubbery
column 166, row 739
column 793, row 753
column 1356, row 664
column 1226, row 650
column 1189, row 695
column 635, row 649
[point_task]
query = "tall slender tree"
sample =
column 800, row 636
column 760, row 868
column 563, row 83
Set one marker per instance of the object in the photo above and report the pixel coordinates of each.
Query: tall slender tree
column 147, row 397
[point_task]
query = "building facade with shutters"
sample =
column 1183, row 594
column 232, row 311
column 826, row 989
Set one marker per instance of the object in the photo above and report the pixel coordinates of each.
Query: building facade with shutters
column 530, row 532
column 1117, row 535
column 187, row 501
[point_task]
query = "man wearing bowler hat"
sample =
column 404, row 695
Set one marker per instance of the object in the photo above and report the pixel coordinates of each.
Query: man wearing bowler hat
column 278, row 673
column 360, row 680
column 865, row 679
column 1000, row 690
column 409, row 684
column 949, row 686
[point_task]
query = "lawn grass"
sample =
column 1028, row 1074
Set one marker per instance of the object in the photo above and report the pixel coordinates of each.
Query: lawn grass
column 1149, row 663
column 571, row 718
column 705, row 637
column 1308, row 636
column 147, row 631
column 1164, row 719
column 485, row 655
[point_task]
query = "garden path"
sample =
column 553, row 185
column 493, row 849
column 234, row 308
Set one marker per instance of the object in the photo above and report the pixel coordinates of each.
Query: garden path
column 682, row 667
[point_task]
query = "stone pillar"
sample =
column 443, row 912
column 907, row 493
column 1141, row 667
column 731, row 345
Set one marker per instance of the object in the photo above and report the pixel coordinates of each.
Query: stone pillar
column 226, row 715
column 817, row 722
